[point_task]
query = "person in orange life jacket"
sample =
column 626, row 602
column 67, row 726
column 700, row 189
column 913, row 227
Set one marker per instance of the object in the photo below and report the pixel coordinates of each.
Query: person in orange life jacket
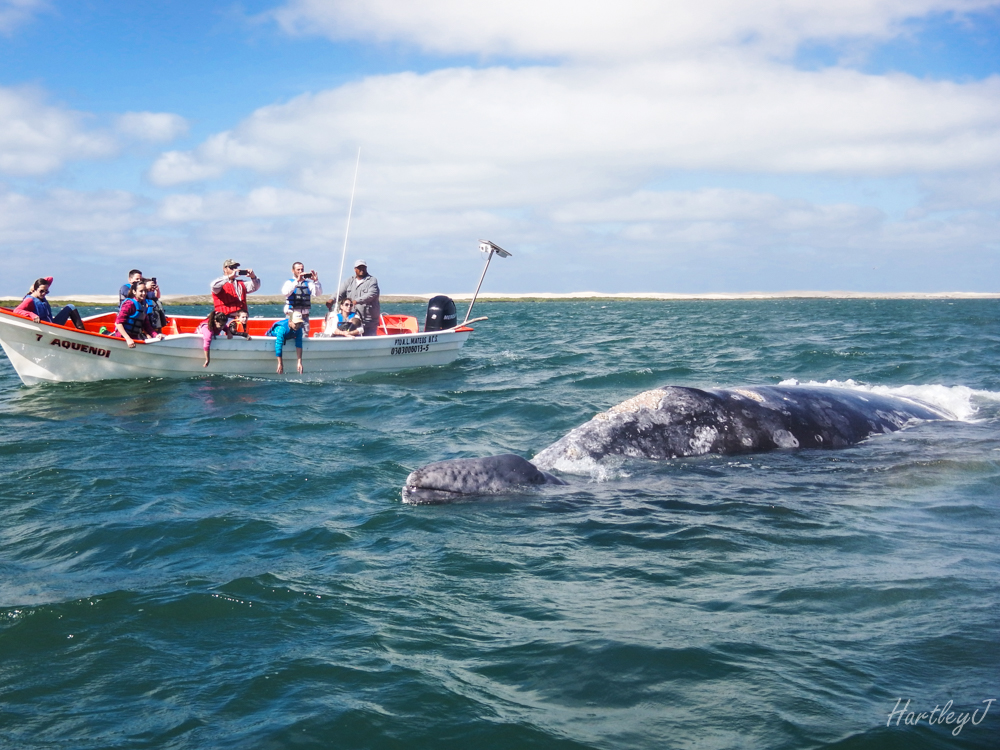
column 212, row 326
column 345, row 323
column 132, row 323
column 299, row 291
column 286, row 329
column 239, row 326
column 229, row 293
column 36, row 307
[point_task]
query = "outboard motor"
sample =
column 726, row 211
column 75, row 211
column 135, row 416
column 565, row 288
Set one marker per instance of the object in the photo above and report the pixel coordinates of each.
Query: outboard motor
column 441, row 314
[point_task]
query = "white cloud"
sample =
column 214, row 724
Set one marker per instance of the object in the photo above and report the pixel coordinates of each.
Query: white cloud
column 557, row 160
column 14, row 13
column 26, row 219
column 598, row 29
column 680, row 240
column 258, row 203
column 38, row 138
column 154, row 127
column 503, row 137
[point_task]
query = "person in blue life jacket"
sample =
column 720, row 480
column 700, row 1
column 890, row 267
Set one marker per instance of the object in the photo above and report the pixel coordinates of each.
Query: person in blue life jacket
column 284, row 330
column 299, row 291
column 126, row 289
column 132, row 323
column 36, row 307
column 345, row 323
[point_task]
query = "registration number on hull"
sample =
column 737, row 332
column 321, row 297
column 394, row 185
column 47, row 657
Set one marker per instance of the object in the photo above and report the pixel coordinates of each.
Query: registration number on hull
column 413, row 344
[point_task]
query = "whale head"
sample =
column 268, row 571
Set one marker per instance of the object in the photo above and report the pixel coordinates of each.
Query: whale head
column 449, row 481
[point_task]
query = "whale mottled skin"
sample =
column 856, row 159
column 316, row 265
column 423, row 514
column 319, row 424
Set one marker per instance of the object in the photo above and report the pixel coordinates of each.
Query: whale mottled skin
column 446, row 481
column 677, row 422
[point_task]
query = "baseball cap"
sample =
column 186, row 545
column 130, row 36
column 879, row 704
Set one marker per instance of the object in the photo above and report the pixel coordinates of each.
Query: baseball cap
column 360, row 262
column 230, row 263
column 297, row 319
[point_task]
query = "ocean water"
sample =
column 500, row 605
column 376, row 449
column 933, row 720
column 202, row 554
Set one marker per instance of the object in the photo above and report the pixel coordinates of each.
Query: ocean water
column 226, row 563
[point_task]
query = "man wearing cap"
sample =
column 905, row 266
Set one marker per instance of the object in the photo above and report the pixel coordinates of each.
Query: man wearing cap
column 229, row 295
column 285, row 329
column 363, row 289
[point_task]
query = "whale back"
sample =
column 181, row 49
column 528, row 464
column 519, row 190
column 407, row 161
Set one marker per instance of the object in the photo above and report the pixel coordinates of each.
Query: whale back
column 675, row 422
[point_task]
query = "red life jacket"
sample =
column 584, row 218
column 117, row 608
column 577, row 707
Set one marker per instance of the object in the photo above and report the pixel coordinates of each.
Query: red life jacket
column 231, row 298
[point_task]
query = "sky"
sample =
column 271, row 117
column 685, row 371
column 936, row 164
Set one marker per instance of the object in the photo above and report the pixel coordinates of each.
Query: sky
column 627, row 146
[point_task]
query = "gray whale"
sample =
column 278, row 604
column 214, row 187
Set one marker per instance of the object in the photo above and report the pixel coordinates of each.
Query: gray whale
column 676, row 422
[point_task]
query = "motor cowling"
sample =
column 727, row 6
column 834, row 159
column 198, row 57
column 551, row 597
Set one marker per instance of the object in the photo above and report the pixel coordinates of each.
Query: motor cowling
column 441, row 314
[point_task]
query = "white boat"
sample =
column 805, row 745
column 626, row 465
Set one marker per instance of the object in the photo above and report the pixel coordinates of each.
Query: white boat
column 43, row 352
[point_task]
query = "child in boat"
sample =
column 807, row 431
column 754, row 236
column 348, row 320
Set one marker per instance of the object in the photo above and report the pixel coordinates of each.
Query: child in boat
column 285, row 329
column 212, row 326
column 345, row 323
column 238, row 326
column 132, row 322
column 36, row 307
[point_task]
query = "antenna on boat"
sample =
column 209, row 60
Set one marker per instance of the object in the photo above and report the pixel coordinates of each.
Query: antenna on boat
column 350, row 209
column 485, row 246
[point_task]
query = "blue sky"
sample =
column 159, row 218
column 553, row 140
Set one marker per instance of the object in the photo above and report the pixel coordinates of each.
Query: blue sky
column 718, row 146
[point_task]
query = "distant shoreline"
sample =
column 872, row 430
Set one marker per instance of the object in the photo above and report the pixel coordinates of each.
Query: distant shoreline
column 264, row 299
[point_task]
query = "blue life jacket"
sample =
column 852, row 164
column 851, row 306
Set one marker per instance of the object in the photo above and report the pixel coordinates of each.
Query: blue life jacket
column 42, row 309
column 301, row 297
column 353, row 321
column 133, row 323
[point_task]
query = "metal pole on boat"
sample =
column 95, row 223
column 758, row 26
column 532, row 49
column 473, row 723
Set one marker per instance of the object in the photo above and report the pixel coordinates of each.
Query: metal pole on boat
column 350, row 209
column 489, row 248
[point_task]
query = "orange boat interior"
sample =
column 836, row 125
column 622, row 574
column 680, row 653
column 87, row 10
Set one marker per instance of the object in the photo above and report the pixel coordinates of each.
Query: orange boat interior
column 392, row 325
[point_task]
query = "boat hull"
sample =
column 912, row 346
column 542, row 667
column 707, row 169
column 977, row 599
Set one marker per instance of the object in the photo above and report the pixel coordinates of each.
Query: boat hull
column 42, row 352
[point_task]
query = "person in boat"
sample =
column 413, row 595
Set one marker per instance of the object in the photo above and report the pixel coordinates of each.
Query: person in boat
column 347, row 322
column 229, row 291
column 363, row 289
column 36, row 307
column 132, row 322
column 299, row 291
column 126, row 289
column 212, row 326
column 154, row 310
column 239, row 326
column 283, row 330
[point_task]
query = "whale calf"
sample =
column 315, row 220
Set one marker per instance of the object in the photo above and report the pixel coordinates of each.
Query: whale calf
column 677, row 422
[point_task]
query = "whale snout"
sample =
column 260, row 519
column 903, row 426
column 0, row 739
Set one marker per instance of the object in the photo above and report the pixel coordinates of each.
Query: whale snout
column 449, row 481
